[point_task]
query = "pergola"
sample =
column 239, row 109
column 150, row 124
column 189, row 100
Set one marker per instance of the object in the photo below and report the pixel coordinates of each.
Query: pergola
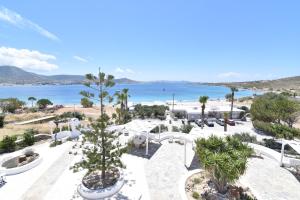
column 294, row 144
column 143, row 127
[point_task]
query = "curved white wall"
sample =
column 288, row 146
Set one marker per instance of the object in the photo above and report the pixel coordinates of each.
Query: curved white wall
column 101, row 193
column 21, row 169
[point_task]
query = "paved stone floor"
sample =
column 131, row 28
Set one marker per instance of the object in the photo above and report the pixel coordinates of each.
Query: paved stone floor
column 38, row 190
column 268, row 181
column 164, row 170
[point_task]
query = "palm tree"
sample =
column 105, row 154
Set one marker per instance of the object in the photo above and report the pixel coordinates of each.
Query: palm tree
column 32, row 99
column 203, row 101
column 121, row 98
column 126, row 95
column 233, row 90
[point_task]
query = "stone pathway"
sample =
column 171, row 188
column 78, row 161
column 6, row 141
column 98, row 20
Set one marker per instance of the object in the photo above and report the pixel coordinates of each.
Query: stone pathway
column 40, row 188
column 268, row 181
column 164, row 170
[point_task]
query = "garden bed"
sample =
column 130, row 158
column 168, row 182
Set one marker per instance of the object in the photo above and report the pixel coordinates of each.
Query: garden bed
column 93, row 187
column 199, row 186
column 94, row 180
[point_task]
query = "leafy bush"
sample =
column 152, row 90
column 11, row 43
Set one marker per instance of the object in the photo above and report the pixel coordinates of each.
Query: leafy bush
column 175, row 129
column 196, row 195
column 276, row 130
column 43, row 103
column 86, row 103
column 28, row 137
column 154, row 111
column 179, row 115
column 78, row 115
column 8, row 144
column 2, row 117
column 54, row 144
column 186, row 128
column 11, row 104
column 274, row 108
column 163, row 128
column 225, row 159
column 196, row 181
column 245, row 137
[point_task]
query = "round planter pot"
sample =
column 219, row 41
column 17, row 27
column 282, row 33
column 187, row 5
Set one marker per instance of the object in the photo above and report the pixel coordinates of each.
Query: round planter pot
column 101, row 193
column 21, row 169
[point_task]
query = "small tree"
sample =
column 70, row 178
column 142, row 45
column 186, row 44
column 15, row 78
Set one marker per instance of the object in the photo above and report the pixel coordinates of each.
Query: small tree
column 224, row 159
column 203, row 101
column 43, row 103
column 233, row 90
column 28, row 137
column 186, row 128
column 11, row 104
column 8, row 144
column 86, row 103
column 32, row 99
column 105, row 152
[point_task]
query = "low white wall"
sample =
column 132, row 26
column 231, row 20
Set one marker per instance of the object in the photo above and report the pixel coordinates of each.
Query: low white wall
column 183, row 180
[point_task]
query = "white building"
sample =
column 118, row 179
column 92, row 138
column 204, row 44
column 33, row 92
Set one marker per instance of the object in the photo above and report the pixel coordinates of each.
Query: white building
column 193, row 111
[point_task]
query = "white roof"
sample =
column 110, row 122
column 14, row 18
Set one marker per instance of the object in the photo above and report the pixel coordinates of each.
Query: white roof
column 209, row 108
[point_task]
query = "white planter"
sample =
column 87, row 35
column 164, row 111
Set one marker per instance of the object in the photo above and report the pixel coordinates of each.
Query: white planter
column 21, row 169
column 101, row 193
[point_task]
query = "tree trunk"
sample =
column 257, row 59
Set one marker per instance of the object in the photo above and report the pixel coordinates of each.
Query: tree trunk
column 231, row 110
column 202, row 120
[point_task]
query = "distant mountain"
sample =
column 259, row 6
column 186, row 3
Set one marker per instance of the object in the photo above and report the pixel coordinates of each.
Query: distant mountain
column 15, row 75
column 290, row 83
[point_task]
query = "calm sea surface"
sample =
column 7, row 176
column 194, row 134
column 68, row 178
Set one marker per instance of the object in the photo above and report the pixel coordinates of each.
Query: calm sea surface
column 69, row 94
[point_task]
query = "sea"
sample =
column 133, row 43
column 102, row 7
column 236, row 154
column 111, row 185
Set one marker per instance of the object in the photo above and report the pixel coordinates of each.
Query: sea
column 139, row 93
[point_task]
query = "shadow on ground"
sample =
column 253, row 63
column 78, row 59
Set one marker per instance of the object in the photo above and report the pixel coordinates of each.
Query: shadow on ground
column 140, row 152
column 195, row 164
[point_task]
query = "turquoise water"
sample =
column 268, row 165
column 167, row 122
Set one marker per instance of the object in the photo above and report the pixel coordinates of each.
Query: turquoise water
column 145, row 92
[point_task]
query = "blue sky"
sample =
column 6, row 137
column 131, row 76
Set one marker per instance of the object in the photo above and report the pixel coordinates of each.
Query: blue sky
column 212, row 40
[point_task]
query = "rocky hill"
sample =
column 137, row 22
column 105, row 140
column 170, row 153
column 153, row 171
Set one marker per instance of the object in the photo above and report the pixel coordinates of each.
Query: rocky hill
column 15, row 75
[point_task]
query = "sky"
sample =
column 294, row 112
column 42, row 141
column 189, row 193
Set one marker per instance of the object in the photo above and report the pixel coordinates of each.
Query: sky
column 147, row 40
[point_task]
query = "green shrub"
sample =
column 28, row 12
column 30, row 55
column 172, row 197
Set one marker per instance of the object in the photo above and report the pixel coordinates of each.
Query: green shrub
column 43, row 103
column 179, row 115
column 77, row 115
column 175, row 129
column 28, row 137
column 245, row 137
column 163, row 128
column 154, row 111
column 2, row 117
column 276, row 130
column 86, row 103
column 54, row 144
column 275, row 108
column 196, row 181
column 224, row 158
column 8, row 144
column 11, row 104
column 196, row 195
column 186, row 128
